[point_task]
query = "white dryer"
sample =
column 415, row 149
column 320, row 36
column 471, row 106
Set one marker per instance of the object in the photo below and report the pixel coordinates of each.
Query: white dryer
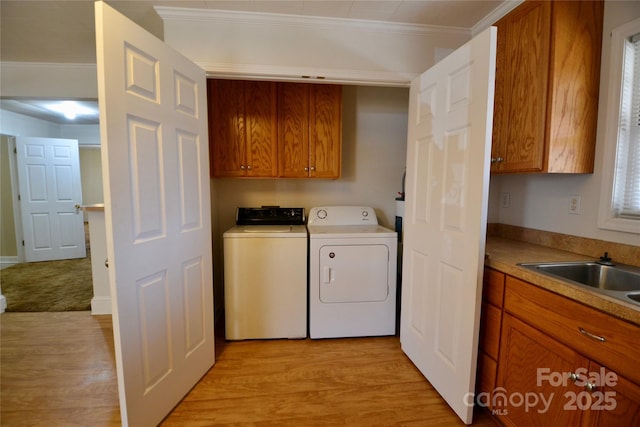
column 352, row 273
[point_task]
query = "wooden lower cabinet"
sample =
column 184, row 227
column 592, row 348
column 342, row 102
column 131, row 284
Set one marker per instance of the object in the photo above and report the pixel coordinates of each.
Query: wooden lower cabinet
column 544, row 373
column 528, row 368
column 490, row 324
column 616, row 404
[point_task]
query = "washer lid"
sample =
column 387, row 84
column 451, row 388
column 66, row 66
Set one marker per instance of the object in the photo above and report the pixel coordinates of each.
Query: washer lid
column 273, row 231
column 267, row 229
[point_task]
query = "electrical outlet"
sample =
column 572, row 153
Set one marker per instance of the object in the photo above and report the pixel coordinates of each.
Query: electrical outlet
column 505, row 199
column 575, row 205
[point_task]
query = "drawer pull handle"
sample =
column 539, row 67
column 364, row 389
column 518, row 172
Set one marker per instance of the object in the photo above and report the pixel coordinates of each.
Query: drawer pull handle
column 592, row 336
column 590, row 387
column 574, row 377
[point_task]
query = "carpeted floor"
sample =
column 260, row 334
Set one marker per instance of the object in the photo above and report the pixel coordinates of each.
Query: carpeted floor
column 64, row 285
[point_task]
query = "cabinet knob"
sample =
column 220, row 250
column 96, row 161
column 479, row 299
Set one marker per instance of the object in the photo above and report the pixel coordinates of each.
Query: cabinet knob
column 242, row 167
column 306, row 169
column 313, row 168
column 249, row 167
column 590, row 387
column 497, row 160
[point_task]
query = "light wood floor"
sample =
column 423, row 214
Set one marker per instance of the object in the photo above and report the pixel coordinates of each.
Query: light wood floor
column 58, row 369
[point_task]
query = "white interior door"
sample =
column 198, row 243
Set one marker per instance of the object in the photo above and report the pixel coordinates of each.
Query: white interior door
column 50, row 188
column 448, row 152
column 153, row 129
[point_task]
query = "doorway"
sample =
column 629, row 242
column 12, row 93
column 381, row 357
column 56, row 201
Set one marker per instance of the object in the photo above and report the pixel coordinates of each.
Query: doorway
column 12, row 253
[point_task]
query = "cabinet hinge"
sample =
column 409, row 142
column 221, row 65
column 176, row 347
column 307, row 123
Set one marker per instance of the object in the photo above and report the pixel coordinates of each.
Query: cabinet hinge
column 23, row 243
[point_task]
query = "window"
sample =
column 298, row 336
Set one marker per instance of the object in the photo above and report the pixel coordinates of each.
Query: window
column 620, row 204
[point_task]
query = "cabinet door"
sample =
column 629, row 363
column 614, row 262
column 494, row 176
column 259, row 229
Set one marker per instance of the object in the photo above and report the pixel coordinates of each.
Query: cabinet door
column 522, row 75
column 325, row 131
column 531, row 366
column 293, row 130
column 615, row 401
column 261, row 129
column 227, row 133
column 490, row 326
column 574, row 85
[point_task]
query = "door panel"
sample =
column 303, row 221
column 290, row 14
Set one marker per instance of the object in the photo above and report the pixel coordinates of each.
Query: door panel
column 157, row 216
column 448, row 148
column 354, row 273
column 50, row 189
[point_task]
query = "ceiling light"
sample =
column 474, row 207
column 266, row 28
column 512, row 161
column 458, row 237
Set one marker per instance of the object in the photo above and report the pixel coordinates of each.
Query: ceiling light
column 71, row 109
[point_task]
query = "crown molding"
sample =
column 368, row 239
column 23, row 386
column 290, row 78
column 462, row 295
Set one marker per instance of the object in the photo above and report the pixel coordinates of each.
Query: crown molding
column 240, row 17
column 47, row 65
column 495, row 15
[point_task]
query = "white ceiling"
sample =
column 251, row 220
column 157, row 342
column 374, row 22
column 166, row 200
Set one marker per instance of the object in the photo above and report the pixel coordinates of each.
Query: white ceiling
column 63, row 31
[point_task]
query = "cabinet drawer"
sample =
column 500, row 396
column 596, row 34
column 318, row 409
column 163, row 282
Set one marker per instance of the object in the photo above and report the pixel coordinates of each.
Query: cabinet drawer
column 493, row 287
column 490, row 329
column 577, row 326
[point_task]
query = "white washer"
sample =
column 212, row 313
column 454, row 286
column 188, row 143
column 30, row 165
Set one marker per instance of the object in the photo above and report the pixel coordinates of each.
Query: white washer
column 352, row 273
column 265, row 281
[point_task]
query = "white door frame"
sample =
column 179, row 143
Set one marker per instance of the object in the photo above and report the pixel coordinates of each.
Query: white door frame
column 17, row 214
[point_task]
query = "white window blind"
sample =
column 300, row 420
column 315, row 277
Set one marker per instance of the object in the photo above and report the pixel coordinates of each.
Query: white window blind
column 626, row 190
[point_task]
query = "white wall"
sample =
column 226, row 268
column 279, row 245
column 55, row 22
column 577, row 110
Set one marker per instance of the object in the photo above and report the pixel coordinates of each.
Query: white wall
column 88, row 137
column 46, row 80
column 273, row 46
column 542, row 201
column 20, row 125
column 13, row 124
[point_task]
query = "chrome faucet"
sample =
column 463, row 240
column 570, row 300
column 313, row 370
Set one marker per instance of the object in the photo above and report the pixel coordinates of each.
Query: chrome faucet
column 605, row 260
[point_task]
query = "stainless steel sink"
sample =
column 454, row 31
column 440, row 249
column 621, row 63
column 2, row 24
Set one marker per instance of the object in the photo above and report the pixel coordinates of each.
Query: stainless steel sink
column 634, row 297
column 616, row 280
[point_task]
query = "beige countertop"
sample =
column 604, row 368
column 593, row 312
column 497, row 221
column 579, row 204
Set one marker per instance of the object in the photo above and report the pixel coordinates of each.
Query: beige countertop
column 99, row 207
column 504, row 255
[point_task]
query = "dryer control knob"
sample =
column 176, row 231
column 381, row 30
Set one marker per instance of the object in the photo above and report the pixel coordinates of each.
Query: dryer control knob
column 365, row 213
column 322, row 214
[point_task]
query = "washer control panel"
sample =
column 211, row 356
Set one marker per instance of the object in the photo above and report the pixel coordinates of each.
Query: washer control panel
column 342, row 215
column 270, row 215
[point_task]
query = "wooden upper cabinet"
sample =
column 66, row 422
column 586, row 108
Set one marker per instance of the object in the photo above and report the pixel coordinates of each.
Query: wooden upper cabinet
column 325, row 131
column 293, row 130
column 309, row 130
column 261, row 118
column 547, row 83
column 268, row 130
column 242, row 128
column 226, row 127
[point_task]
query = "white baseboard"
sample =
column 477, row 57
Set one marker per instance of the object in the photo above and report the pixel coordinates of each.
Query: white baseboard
column 8, row 261
column 100, row 305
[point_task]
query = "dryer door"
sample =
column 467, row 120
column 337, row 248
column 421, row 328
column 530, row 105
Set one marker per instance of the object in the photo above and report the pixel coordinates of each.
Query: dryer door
column 354, row 273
